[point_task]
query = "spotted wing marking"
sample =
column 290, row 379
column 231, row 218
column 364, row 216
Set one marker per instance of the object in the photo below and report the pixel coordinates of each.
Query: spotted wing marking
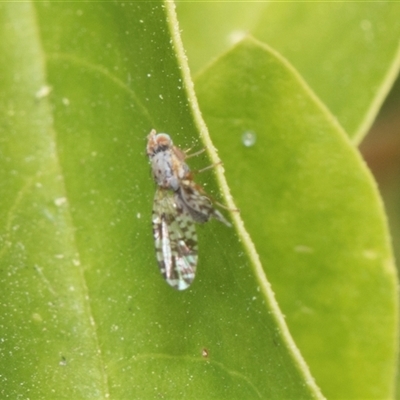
column 175, row 239
column 198, row 204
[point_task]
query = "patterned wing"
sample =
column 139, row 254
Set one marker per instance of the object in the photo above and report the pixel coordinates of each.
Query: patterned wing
column 175, row 239
column 198, row 204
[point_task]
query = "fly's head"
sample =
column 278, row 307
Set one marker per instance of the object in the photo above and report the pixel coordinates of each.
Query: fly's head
column 157, row 143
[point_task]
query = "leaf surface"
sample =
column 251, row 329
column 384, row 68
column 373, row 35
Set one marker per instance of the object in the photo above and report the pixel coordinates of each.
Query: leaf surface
column 85, row 312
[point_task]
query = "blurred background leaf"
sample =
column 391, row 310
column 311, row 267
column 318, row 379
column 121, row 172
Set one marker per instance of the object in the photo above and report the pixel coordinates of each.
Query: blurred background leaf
column 381, row 151
column 348, row 52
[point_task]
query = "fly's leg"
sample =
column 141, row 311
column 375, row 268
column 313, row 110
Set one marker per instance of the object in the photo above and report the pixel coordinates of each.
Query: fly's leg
column 197, row 153
column 199, row 171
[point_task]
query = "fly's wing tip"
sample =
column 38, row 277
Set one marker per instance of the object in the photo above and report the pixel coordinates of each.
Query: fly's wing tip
column 179, row 284
column 218, row 216
column 176, row 278
column 227, row 223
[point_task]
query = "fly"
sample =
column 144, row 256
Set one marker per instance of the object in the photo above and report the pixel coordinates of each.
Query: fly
column 178, row 204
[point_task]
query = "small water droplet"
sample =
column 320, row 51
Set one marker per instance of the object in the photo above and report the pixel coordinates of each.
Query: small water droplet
column 249, row 138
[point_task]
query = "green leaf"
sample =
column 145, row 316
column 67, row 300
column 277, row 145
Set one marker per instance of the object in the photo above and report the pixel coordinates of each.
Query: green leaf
column 85, row 312
column 348, row 52
column 314, row 214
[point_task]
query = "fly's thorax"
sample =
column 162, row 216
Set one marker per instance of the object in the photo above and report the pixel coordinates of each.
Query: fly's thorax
column 168, row 170
column 161, row 166
column 180, row 168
